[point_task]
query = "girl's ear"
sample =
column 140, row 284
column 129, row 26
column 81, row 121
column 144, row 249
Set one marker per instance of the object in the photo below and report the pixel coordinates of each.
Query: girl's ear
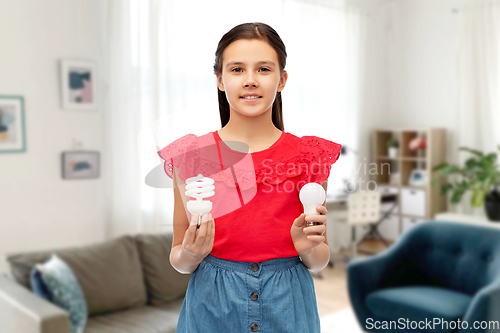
column 283, row 79
column 220, row 85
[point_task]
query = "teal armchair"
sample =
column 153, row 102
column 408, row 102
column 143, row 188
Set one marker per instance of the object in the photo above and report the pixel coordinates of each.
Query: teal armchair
column 437, row 277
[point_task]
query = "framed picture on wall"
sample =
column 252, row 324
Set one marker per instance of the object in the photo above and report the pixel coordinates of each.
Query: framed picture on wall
column 80, row 164
column 78, row 84
column 12, row 128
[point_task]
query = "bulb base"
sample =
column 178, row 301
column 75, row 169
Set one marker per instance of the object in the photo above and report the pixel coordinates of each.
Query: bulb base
column 311, row 223
column 310, row 208
column 200, row 207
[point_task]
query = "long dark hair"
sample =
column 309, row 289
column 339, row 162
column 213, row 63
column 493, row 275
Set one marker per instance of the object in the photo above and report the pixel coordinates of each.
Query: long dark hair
column 259, row 31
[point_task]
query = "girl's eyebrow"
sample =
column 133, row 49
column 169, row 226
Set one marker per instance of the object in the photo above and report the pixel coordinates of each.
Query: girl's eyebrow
column 268, row 62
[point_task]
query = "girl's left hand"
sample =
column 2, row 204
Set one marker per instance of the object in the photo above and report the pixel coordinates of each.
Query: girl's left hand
column 307, row 238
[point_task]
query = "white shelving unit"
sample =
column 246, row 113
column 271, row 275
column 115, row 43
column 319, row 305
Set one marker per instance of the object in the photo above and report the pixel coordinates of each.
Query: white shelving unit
column 415, row 203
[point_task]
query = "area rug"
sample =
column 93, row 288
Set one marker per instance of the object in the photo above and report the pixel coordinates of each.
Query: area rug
column 343, row 321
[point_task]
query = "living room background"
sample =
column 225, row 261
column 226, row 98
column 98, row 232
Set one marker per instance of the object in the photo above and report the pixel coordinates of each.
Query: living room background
column 410, row 79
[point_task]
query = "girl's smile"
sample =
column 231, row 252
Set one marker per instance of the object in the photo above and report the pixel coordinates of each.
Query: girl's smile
column 251, row 76
column 251, row 98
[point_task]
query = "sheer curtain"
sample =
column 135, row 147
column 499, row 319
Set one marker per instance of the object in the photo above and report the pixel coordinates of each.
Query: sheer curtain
column 160, row 86
column 479, row 83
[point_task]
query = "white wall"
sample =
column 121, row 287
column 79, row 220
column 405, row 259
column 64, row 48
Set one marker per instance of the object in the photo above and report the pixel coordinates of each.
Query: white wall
column 38, row 209
column 375, row 101
column 412, row 66
column 423, row 50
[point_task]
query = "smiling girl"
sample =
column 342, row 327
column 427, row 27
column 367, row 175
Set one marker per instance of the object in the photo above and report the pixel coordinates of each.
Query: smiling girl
column 250, row 257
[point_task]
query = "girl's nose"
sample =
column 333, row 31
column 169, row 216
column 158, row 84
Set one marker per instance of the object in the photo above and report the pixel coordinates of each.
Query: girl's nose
column 250, row 81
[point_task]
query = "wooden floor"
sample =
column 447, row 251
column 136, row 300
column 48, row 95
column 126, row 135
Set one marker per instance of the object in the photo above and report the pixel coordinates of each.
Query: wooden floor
column 331, row 284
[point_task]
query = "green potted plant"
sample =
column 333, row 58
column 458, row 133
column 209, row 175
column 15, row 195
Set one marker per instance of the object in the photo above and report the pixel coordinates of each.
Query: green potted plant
column 481, row 175
column 392, row 146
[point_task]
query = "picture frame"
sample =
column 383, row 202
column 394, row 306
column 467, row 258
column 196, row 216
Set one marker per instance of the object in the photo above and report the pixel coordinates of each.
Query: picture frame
column 80, row 164
column 78, row 84
column 12, row 124
column 418, row 177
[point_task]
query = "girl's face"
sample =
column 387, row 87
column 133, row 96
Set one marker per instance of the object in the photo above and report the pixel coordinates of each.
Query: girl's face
column 250, row 67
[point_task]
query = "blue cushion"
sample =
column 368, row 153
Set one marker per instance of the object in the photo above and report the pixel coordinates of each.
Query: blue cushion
column 418, row 303
column 65, row 291
column 38, row 286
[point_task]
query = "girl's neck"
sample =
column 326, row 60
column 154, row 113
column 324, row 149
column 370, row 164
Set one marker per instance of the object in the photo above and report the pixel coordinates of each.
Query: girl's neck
column 257, row 132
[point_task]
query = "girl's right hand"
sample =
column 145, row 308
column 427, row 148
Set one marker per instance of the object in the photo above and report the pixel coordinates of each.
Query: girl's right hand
column 199, row 246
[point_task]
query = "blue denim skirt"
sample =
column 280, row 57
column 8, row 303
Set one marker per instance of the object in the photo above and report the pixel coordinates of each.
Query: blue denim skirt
column 234, row 296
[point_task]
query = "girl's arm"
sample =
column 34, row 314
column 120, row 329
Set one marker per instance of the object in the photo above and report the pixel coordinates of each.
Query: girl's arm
column 317, row 258
column 187, row 252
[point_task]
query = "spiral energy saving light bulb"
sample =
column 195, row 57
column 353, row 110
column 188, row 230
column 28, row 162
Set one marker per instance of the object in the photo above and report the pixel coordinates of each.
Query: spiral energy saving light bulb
column 199, row 187
column 312, row 195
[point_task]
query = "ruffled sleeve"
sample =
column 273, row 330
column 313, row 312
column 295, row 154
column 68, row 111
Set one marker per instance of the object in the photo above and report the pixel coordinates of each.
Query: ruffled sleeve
column 319, row 155
column 182, row 153
column 309, row 157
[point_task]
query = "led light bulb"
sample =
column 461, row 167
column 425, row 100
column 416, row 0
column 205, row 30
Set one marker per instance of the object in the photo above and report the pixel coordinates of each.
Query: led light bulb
column 199, row 187
column 312, row 195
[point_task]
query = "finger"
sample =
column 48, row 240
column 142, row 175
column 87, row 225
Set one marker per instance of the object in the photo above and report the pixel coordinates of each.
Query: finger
column 191, row 230
column 319, row 229
column 316, row 218
column 212, row 238
column 209, row 229
column 202, row 232
column 300, row 221
column 316, row 238
column 209, row 225
column 322, row 210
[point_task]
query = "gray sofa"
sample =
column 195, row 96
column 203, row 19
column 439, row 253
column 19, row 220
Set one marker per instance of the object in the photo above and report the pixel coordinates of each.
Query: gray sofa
column 128, row 283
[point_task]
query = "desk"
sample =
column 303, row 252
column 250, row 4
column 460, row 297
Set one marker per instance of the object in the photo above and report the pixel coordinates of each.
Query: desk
column 342, row 199
column 339, row 233
column 469, row 219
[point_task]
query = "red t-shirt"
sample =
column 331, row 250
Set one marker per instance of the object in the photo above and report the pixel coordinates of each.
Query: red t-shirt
column 256, row 194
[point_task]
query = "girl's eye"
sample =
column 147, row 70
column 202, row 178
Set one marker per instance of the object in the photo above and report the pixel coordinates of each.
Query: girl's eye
column 238, row 70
